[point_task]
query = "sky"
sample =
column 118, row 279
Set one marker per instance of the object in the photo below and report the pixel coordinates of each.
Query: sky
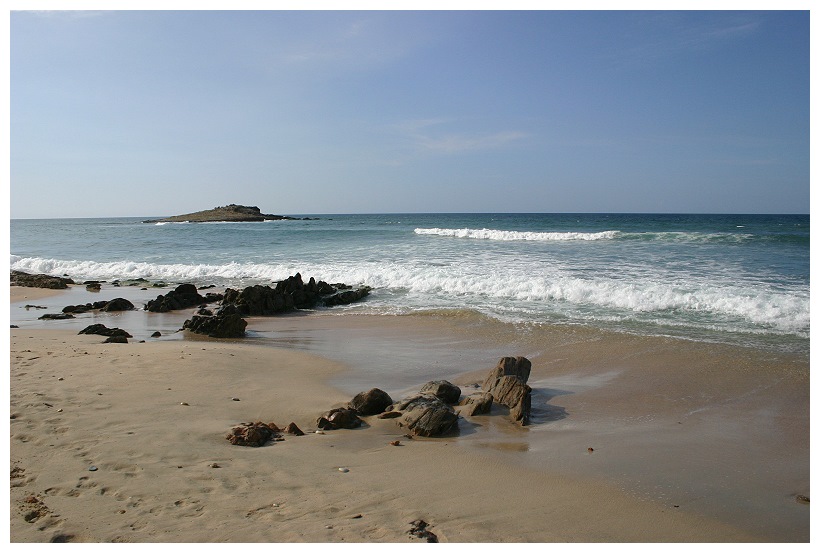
column 152, row 113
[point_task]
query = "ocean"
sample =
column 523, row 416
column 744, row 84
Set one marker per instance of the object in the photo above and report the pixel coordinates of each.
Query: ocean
column 734, row 279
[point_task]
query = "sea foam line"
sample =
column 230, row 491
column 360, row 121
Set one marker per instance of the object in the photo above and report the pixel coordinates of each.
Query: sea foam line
column 514, row 235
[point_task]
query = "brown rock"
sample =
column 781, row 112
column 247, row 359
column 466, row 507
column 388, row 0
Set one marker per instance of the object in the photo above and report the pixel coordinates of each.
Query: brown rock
column 478, row 403
column 252, row 434
column 442, row 389
column 515, row 366
column 293, row 429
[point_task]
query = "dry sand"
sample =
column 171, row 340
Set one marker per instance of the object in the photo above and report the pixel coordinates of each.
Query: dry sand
column 126, row 443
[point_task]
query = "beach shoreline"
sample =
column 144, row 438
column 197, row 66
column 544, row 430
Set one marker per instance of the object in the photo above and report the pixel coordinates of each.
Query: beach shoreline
column 690, row 442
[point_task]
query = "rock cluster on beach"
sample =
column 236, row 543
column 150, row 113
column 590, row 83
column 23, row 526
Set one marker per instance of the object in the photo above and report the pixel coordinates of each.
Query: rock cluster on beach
column 290, row 294
column 254, row 301
column 429, row 413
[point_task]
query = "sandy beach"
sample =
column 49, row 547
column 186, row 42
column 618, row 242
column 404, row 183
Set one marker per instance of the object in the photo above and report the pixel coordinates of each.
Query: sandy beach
column 633, row 439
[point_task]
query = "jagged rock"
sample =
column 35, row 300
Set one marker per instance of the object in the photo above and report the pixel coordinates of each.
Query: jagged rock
column 103, row 330
column 293, row 429
column 221, row 325
column 56, row 316
column 426, row 415
column 182, row 297
column 116, row 340
column 340, row 417
column 509, row 391
column 372, row 402
column 289, row 294
column 19, row 278
column 515, row 366
column 442, row 389
column 479, row 403
column 252, row 434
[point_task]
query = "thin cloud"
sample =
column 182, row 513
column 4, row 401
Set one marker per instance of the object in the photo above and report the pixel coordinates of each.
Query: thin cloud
column 675, row 36
column 457, row 143
column 424, row 136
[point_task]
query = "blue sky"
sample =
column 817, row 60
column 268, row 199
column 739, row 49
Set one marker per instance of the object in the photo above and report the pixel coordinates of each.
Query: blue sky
column 146, row 113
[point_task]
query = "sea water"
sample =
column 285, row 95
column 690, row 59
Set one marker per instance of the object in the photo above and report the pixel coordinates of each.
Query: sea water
column 736, row 279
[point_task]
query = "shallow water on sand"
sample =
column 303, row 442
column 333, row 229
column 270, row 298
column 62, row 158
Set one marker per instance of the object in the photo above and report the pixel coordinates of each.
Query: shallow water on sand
column 712, row 429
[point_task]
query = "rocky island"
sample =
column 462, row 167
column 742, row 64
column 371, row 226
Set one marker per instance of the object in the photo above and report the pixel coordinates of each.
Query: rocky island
column 229, row 213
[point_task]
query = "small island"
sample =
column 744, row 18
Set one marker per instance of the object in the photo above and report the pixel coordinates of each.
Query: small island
column 229, row 213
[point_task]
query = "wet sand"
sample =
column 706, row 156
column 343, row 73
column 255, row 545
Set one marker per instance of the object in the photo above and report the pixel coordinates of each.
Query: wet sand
column 690, row 442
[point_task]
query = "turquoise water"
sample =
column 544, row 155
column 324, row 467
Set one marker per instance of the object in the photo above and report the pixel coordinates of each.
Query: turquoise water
column 741, row 279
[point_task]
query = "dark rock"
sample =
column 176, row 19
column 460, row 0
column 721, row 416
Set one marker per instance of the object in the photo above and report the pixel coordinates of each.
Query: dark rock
column 293, row 429
column 479, row 403
column 182, row 297
column 118, row 304
column 56, row 316
column 442, row 389
column 340, row 417
column 102, row 330
column 116, row 340
column 371, row 402
column 390, row 415
column 93, row 287
column 29, row 306
column 289, row 294
column 420, row 530
column 156, row 334
column 252, row 434
column 19, row 278
column 515, row 366
column 426, row 415
column 221, row 325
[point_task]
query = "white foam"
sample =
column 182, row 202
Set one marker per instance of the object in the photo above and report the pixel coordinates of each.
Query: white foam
column 512, row 235
column 496, row 287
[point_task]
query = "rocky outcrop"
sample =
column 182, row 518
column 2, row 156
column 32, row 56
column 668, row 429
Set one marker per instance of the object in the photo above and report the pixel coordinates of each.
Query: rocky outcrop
column 56, row 316
column 507, row 385
column 227, row 323
column 372, row 402
column 289, row 294
column 426, row 415
column 182, row 297
column 19, row 278
column 442, row 389
column 117, row 304
column 229, row 213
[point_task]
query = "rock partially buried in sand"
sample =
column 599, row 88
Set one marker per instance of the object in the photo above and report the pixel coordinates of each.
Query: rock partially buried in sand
column 339, row 418
column 419, row 530
column 253, row 434
column 293, row 429
column 426, row 415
